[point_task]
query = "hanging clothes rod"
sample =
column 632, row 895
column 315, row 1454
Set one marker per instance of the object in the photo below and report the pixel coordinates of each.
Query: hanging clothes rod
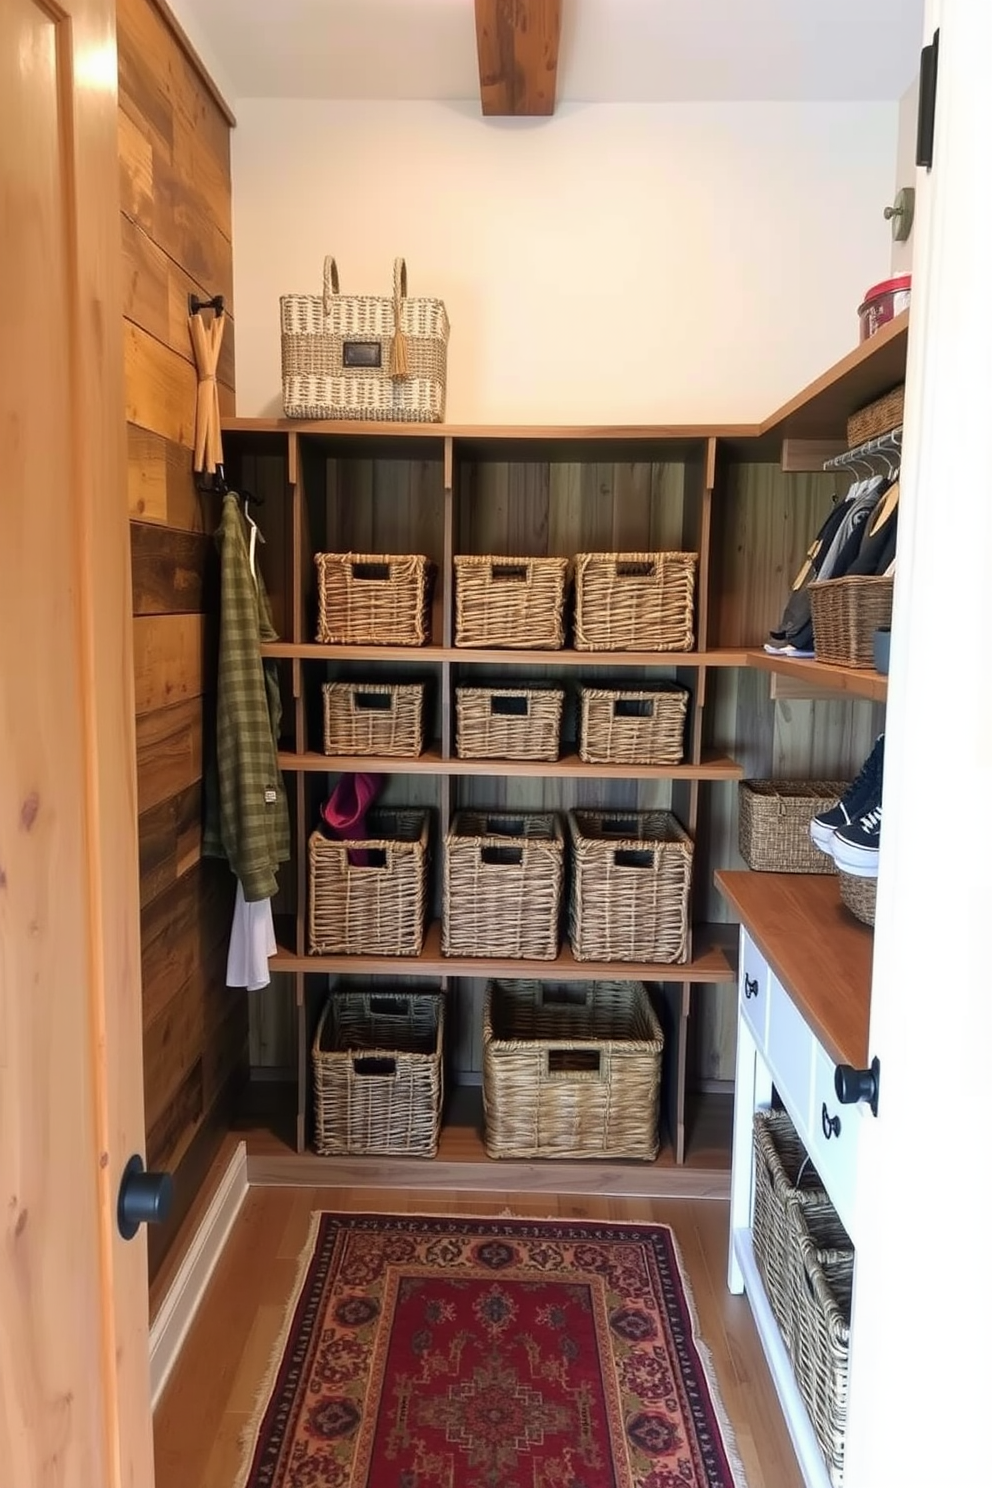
column 884, row 444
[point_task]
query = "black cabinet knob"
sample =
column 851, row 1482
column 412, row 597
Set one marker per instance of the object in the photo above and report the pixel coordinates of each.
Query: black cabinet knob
column 143, row 1198
column 854, row 1085
column 831, row 1124
column 750, row 986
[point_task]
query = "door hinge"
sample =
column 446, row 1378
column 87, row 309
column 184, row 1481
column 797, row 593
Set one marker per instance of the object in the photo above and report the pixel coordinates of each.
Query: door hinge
column 928, row 103
column 854, row 1085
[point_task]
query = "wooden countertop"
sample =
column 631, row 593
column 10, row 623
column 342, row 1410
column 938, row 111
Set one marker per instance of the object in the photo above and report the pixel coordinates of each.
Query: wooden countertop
column 820, row 953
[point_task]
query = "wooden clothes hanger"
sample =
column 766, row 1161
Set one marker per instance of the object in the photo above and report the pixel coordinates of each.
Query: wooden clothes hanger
column 884, row 509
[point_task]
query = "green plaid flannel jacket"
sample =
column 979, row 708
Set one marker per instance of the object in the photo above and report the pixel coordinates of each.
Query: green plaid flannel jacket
column 247, row 818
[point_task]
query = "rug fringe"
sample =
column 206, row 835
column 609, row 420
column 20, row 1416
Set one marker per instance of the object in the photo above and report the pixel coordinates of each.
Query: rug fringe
column 248, row 1436
column 734, row 1458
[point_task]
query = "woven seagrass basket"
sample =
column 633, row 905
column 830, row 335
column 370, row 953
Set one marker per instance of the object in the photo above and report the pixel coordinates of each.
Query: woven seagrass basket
column 631, row 874
column 513, row 602
column 859, row 896
column 570, row 1070
column 378, row 1073
column 364, row 356
column 784, row 1176
column 623, row 727
column 502, row 885
column 374, row 718
column 880, row 417
column 846, row 614
column 374, row 599
column 773, row 824
column 508, row 723
column 823, row 1267
column 369, row 897
column 634, row 601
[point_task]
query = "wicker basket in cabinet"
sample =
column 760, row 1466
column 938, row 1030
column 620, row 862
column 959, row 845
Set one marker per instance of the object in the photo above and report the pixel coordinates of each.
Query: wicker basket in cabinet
column 378, row 1074
column 369, row 897
column 374, row 599
column 374, row 718
column 502, row 885
column 634, row 601
column 509, row 723
column 631, row 876
column 773, row 824
column 518, row 603
column 570, row 1070
column 623, row 726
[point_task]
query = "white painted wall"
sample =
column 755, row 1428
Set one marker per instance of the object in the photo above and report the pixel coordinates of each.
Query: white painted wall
column 617, row 263
column 902, row 253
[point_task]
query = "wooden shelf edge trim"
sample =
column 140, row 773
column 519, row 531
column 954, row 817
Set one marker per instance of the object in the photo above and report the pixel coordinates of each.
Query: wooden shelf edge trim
column 633, row 433
column 657, row 1180
column 714, row 961
column 469, row 656
column 569, row 767
column 860, row 682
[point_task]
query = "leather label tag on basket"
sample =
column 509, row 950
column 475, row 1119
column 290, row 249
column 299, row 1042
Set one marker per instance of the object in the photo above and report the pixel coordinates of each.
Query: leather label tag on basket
column 361, row 353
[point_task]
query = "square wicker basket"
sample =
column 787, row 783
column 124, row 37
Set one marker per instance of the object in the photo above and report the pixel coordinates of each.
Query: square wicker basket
column 378, row 1073
column 631, row 878
column 513, row 602
column 369, row 897
column 623, row 727
column 846, row 614
column 877, row 418
column 374, row 718
column 570, row 1070
column 510, row 723
column 634, row 601
column 502, row 885
column 773, row 824
column 785, row 1177
column 374, row 599
column 859, row 896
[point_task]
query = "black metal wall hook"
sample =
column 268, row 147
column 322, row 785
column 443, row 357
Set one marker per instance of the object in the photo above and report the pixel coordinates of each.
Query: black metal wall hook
column 196, row 304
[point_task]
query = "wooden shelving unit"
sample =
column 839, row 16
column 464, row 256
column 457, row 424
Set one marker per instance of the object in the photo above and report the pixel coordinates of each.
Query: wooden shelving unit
column 446, row 489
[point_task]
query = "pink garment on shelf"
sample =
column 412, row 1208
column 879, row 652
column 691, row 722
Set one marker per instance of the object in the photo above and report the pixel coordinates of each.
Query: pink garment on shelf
column 344, row 812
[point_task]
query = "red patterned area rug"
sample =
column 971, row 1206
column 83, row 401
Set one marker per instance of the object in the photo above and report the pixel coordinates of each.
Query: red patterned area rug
column 440, row 1353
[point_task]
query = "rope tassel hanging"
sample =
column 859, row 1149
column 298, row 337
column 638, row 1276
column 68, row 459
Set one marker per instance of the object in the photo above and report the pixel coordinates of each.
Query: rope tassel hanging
column 208, row 454
column 400, row 365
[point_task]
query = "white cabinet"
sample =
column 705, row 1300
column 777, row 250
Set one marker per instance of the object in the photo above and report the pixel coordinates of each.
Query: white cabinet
column 778, row 1048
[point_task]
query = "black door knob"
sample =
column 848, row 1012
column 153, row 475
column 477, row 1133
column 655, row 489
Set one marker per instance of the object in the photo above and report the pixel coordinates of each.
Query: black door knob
column 853, row 1085
column 144, row 1198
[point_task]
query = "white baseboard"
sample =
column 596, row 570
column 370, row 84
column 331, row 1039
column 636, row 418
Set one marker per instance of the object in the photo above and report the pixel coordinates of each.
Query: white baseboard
column 186, row 1292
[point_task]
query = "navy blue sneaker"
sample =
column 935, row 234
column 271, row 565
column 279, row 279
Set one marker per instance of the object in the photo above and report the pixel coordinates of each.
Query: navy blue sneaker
column 855, row 848
column 865, row 793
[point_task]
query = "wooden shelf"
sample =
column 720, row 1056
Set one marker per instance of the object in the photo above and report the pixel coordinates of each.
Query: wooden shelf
column 570, row 767
column 822, row 409
column 475, row 433
column 467, row 656
column 820, row 953
column 855, row 682
column 714, row 961
column 463, row 1165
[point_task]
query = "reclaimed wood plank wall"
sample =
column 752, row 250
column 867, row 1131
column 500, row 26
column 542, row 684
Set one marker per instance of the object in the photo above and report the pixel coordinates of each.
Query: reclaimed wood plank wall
column 175, row 179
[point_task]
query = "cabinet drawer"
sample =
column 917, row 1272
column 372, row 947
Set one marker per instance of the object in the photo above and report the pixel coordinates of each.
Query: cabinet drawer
column 833, row 1140
column 790, row 1053
column 755, row 977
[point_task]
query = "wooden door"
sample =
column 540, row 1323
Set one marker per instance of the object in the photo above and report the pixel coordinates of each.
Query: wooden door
column 74, row 1393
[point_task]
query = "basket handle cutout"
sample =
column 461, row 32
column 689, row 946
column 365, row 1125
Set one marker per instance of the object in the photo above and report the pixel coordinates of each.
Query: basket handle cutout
column 390, row 1007
column 633, row 707
column 632, row 570
column 370, row 572
column 510, row 707
column 565, row 1062
column 502, row 573
column 368, row 857
column 619, row 826
column 566, row 996
column 633, row 857
column 502, row 857
column 372, row 1067
column 505, row 826
column 373, row 702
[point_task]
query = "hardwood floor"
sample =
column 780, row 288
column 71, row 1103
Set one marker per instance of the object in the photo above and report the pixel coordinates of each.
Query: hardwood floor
column 209, row 1398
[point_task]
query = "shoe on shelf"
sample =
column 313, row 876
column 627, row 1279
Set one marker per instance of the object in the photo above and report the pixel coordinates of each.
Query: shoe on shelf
column 862, row 795
column 855, row 848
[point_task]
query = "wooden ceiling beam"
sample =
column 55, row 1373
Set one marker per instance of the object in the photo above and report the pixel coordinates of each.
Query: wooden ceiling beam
column 518, row 56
